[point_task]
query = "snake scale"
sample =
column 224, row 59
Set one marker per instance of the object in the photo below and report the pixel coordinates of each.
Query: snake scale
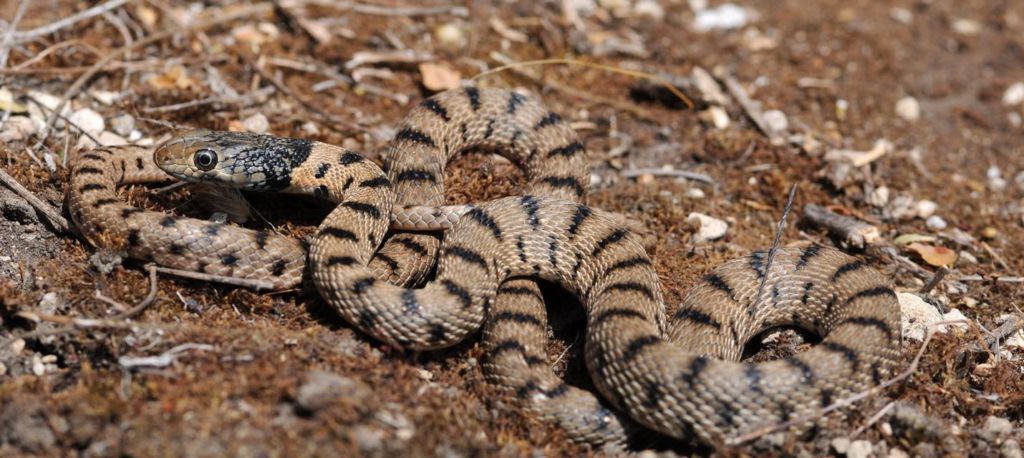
column 677, row 374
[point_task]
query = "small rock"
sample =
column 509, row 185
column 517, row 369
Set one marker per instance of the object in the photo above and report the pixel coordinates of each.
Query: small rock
column 935, row 223
column 451, row 35
column 710, row 228
column 966, row 26
column 996, row 182
column 1014, row 94
column 1016, row 340
column 916, row 315
column 898, row 453
column 107, row 138
column 925, row 208
column 965, row 257
column 695, row 193
column 50, row 303
column 717, row 116
column 841, row 444
column 901, row 15
column 38, row 368
column 88, row 120
column 649, row 8
column 997, row 426
column 321, row 389
column 908, row 109
column 3, row 369
column 17, row 128
column 723, row 17
column 989, row 233
column 123, row 125
column 105, row 97
column 17, row 346
column 859, row 449
column 256, row 123
column 368, row 439
column 956, row 315
column 1011, row 449
column 709, row 89
column 879, row 197
column 776, row 121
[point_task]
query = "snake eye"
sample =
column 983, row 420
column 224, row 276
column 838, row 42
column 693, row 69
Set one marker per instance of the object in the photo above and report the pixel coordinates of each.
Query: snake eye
column 205, row 159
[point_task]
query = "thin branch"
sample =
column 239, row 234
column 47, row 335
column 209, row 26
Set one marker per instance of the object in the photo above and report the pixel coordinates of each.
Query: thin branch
column 5, row 46
column 935, row 280
column 778, row 238
column 52, row 214
column 852, row 231
column 138, row 308
column 52, row 27
column 380, row 10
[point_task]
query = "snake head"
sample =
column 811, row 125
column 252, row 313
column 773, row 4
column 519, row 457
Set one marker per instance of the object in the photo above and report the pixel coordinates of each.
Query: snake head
column 234, row 159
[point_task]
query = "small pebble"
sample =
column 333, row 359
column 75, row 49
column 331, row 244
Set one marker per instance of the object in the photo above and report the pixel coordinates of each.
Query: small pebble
column 776, row 121
column 123, row 125
column 859, row 449
column 908, row 109
column 898, row 453
column 723, row 17
column 841, row 444
column 256, row 123
column 695, row 193
column 1014, row 94
column 997, row 426
column 368, row 439
column 925, row 208
column 935, row 223
column 879, row 197
column 989, row 233
column 718, row 117
column 451, row 35
column 38, row 368
column 649, row 8
column 965, row 257
column 710, row 228
column 3, row 369
column 916, row 315
column 1011, row 449
column 88, row 120
column 17, row 346
column 996, row 182
column 901, row 15
column 966, row 26
column 321, row 388
column 107, row 138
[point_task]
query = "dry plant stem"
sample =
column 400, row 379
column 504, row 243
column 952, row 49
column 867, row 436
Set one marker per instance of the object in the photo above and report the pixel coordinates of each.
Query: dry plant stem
column 46, row 209
column 76, row 87
column 68, row 21
column 935, row 280
column 142, row 305
column 5, row 46
column 851, row 399
column 201, row 276
column 695, row 176
column 874, row 418
column 778, row 238
column 851, row 230
column 999, row 259
column 749, row 106
column 376, row 10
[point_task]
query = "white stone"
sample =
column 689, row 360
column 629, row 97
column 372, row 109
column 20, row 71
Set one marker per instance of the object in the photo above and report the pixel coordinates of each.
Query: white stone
column 107, row 138
column 916, row 315
column 841, row 444
column 925, row 208
column 897, row 453
column 708, row 87
column 966, row 26
column 649, row 8
column 901, row 15
column 1014, row 94
column 998, row 425
column 996, row 182
column 908, row 109
column 123, row 125
column 723, row 17
column 719, row 117
column 710, row 228
column 859, row 449
column 695, row 193
column 935, row 223
column 88, row 120
column 38, row 368
column 3, row 369
column 879, row 197
column 957, row 315
column 256, row 123
column 776, row 121
column 451, row 35
column 105, row 97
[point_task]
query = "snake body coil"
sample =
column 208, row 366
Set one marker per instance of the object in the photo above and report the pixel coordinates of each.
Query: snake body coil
column 677, row 374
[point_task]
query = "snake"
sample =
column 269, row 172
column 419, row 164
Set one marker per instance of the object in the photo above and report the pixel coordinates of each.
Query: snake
column 676, row 373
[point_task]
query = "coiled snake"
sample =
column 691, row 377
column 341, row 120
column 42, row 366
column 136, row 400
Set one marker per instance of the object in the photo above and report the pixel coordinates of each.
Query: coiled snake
column 678, row 375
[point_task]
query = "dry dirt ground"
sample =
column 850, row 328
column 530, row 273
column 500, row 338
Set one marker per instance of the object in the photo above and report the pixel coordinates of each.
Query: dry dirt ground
column 280, row 375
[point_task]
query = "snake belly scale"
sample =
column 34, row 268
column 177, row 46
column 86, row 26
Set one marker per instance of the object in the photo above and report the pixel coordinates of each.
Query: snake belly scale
column 675, row 374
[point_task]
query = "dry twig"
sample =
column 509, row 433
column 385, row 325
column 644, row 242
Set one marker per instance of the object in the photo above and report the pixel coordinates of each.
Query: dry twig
column 695, row 176
column 97, row 10
column 851, row 230
column 751, row 108
column 46, row 209
column 5, row 45
column 258, row 285
column 380, row 10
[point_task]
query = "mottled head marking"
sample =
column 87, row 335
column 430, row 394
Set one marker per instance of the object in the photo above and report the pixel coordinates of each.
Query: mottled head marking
column 241, row 160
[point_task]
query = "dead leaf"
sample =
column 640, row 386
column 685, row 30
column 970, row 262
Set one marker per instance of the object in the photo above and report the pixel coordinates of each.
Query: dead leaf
column 174, row 78
column 439, row 76
column 937, row 256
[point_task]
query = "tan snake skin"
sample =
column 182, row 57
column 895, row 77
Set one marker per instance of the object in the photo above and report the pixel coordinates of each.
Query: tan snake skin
column 666, row 374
